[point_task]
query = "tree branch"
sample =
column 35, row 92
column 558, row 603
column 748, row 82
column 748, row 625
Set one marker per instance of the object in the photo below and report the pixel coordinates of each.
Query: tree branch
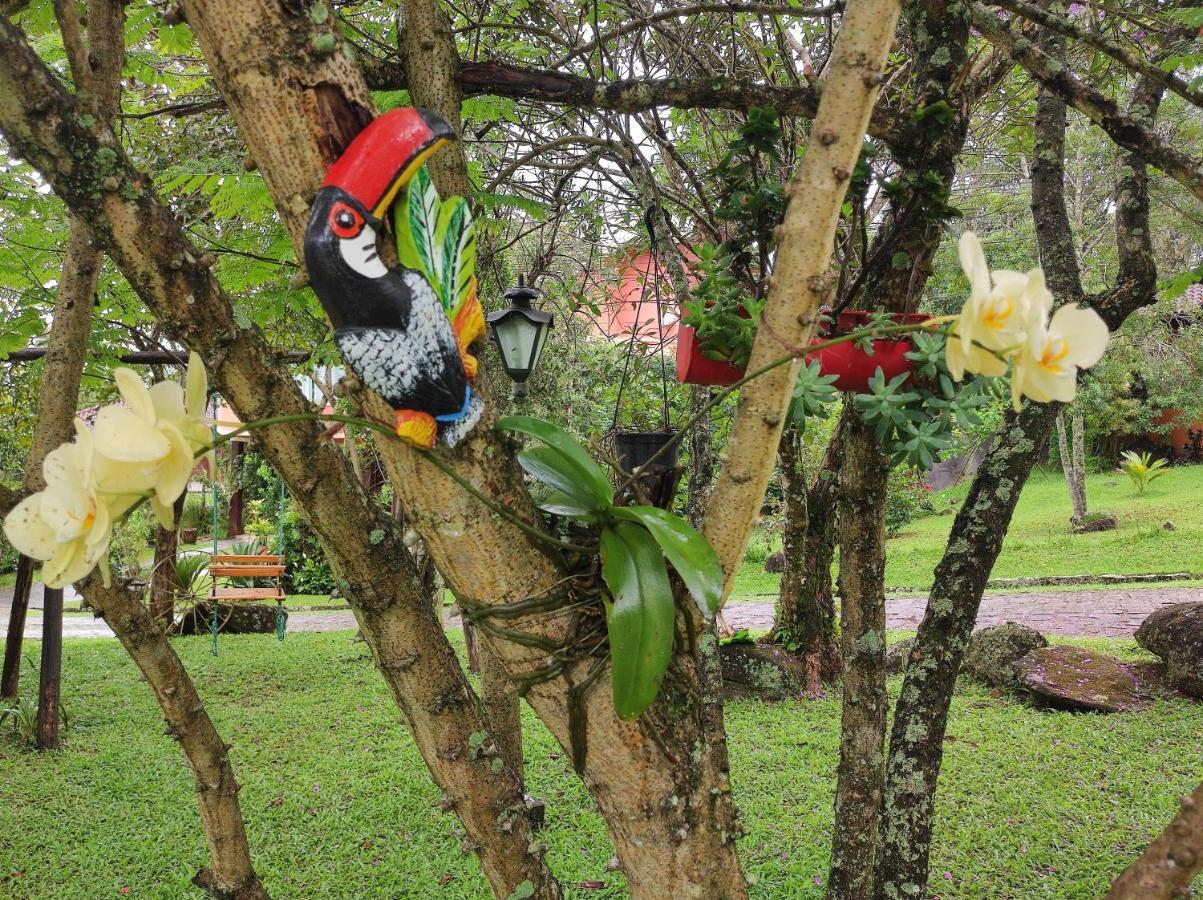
column 631, row 95
column 735, row 9
column 1172, row 861
column 1126, row 131
column 1093, row 38
column 799, row 282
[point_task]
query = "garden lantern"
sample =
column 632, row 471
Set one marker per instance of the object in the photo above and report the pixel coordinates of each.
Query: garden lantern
column 520, row 333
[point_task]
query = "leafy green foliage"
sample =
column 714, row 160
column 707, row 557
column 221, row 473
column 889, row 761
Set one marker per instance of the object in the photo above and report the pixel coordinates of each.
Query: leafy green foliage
column 813, row 394
column 1142, row 469
column 639, row 619
column 916, row 414
column 725, row 304
column 635, row 542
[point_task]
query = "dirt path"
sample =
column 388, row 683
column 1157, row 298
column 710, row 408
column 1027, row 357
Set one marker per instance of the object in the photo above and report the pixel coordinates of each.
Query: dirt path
column 1112, row 613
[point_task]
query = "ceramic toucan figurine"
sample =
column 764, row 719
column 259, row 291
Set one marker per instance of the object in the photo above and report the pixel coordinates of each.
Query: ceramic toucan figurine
column 404, row 336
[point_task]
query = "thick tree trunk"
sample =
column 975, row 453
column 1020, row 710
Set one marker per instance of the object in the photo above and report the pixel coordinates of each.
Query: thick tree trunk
column 921, row 716
column 862, row 537
column 804, row 620
column 230, row 874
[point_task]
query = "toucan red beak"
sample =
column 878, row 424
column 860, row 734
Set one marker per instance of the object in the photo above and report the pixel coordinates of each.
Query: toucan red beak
column 383, row 157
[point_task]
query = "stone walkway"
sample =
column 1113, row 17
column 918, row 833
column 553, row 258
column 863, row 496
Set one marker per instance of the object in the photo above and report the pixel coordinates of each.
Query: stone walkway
column 1115, row 613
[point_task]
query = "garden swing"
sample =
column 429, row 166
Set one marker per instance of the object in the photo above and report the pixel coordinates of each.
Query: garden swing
column 240, row 570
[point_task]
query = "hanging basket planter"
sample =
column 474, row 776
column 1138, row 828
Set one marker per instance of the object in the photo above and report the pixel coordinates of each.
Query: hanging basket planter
column 635, row 448
column 852, row 365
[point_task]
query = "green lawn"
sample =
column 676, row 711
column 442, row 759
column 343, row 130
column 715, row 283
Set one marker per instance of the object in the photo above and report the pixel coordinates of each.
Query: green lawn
column 1039, row 542
column 1033, row 804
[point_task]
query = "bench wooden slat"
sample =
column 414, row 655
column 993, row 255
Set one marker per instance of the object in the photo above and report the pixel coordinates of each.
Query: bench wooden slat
column 246, row 558
column 246, row 594
column 254, row 571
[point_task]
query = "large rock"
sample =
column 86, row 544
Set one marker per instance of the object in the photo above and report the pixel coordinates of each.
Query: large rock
column 232, row 618
column 761, row 671
column 1078, row 679
column 1175, row 633
column 992, row 652
column 775, row 562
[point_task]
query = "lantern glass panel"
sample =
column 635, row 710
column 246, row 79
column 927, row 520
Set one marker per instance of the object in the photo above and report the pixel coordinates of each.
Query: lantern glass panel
column 518, row 339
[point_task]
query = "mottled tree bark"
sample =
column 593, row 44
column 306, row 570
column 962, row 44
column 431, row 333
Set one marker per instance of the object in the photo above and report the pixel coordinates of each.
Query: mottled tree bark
column 230, row 874
column 863, row 476
column 921, row 715
column 804, row 620
column 431, row 63
column 1074, row 477
column 1172, row 861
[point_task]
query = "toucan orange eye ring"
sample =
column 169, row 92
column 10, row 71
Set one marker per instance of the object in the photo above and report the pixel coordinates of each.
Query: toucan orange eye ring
column 345, row 220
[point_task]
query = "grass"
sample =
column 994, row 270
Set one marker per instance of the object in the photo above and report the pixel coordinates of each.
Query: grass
column 1039, row 542
column 1032, row 804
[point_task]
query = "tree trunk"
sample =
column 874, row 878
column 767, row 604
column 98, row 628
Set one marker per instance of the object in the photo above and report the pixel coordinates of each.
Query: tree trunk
column 10, row 677
column 862, row 536
column 162, row 579
column 1074, row 476
column 1172, row 861
column 920, row 718
column 701, row 458
column 1078, row 427
column 799, row 284
column 230, row 874
column 804, row 620
column 50, row 672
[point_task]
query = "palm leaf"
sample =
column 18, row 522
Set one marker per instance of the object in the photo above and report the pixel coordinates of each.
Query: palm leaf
column 416, row 221
column 458, row 238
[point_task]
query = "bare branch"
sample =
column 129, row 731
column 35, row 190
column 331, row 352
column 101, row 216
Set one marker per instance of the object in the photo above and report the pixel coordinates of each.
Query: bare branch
column 1093, row 38
column 1126, row 131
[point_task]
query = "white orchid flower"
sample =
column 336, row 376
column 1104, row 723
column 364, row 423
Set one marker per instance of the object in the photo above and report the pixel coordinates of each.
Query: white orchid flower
column 149, row 447
column 68, row 525
column 1047, row 366
column 994, row 321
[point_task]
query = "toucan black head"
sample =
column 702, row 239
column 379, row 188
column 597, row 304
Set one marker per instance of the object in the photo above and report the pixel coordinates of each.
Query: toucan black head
column 340, row 241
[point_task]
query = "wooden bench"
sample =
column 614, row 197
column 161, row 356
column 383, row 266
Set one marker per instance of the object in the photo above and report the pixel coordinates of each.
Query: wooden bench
column 261, row 565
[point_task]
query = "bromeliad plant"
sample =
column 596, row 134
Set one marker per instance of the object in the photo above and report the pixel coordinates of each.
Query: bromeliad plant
column 1142, row 469
column 636, row 542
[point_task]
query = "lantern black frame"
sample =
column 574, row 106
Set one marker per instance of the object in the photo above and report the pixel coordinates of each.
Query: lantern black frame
column 520, row 298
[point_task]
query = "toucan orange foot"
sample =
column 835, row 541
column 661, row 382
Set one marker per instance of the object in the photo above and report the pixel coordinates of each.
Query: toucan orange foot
column 419, row 428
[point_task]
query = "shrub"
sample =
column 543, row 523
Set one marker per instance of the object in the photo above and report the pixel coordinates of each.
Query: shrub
column 307, row 571
column 906, row 495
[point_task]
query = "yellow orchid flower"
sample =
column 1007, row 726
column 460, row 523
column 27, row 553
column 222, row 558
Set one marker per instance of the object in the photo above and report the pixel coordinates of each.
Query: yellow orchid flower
column 1047, row 366
column 148, row 447
column 994, row 321
column 68, row 525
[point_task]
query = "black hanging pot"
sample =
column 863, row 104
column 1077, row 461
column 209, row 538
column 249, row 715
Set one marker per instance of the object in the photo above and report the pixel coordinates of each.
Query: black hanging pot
column 635, row 448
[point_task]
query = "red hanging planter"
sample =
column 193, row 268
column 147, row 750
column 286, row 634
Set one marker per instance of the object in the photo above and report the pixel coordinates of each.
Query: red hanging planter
column 853, row 366
column 695, row 368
